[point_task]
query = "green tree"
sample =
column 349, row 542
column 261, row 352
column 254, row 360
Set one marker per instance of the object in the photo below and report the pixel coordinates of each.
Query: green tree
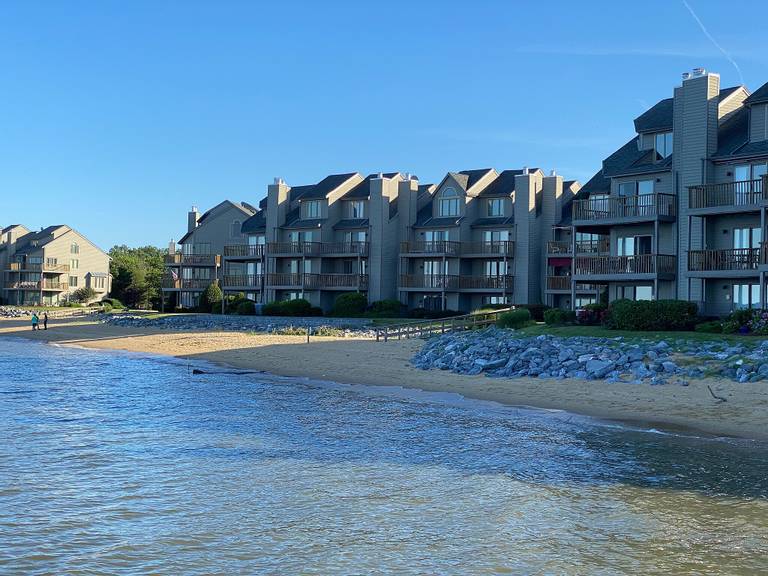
column 83, row 295
column 211, row 298
column 137, row 275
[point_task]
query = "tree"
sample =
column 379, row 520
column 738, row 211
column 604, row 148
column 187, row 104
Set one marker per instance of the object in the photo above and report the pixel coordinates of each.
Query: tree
column 83, row 295
column 211, row 298
column 136, row 275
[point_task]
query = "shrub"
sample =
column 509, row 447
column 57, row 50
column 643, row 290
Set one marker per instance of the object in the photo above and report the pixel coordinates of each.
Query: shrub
column 518, row 318
column 385, row 309
column 349, row 305
column 758, row 323
column 711, row 327
column 647, row 315
column 558, row 316
column 592, row 314
column 210, row 300
column 83, row 294
column 246, row 308
column 114, row 302
column 298, row 307
column 107, row 307
column 536, row 310
column 738, row 321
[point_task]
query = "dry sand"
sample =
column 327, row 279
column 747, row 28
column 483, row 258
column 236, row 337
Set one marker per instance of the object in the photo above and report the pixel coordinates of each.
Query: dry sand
column 352, row 361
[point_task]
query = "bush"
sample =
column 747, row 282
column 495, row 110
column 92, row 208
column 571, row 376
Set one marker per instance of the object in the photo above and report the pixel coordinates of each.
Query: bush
column 298, row 307
column 536, row 310
column 107, row 307
column 648, row 315
column 385, row 309
column 518, row 318
column 711, row 327
column 592, row 314
column 738, row 321
column 558, row 316
column 350, row 305
column 114, row 302
column 210, row 300
column 83, row 294
column 246, row 308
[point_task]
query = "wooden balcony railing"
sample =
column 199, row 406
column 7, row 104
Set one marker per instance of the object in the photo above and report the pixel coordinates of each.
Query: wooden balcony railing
column 615, row 207
column 434, row 281
column 355, row 248
column 558, row 282
column 733, row 259
column 243, row 280
column 436, row 247
column 561, row 247
column 244, row 250
column 191, row 259
column 25, row 266
column 315, row 249
column 186, row 283
column 318, row 281
column 486, row 283
column 488, row 248
column 619, row 265
column 35, row 285
column 743, row 193
column 558, row 247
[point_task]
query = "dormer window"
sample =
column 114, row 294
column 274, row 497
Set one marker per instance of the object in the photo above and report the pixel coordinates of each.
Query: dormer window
column 448, row 204
column 235, row 229
column 662, row 145
column 495, row 207
column 311, row 209
column 357, row 209
column 74, row 248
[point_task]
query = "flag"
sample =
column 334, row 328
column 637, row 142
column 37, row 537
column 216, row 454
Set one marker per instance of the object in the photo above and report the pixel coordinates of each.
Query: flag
column 174, row 275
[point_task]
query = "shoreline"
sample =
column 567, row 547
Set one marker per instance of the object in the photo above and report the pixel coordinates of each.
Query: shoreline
column 356, row 361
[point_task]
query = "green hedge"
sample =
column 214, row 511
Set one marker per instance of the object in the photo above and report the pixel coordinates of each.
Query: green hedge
column 649, row 315
column 514, row 319
column 298, row 307
column 246, row 308
column 349, row 305
column 558, row 316
column 385, row 309
column 711, row 327
column 536, row 310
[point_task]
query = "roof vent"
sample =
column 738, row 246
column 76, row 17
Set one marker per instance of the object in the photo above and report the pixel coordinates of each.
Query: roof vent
column 279, row 181
column 553, row 172
column 194, row 208
column 525, row 170
column 699, row 72
column 686, row 75
column 380, row 175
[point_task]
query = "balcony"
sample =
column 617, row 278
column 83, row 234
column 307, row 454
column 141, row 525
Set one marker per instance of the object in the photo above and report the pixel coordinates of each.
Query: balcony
column 563, row 284
column 47, row 285
column 559, row 247
column 254, row 251
column 194, row 284
column 206, row 260
column 317, row 249
column 318, row 281
column 455, row 283
column 246, row 281
column 26, row 267
column 491, row 248
column 745, row 260
column 430, row 248
column 737, row 196
column 624, row 209
column 640, row 266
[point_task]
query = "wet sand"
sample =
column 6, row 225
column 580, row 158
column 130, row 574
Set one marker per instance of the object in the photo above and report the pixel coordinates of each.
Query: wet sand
column 354, row 361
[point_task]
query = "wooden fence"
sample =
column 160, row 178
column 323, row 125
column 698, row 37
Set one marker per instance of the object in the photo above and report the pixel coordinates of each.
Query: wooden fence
column 421, row 328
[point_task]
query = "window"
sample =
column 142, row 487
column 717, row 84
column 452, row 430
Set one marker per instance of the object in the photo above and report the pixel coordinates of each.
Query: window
column 357, row 209
column 582, row 301
column 257, row 240
column 643, row 293
column 634, row 292
column 311, row 209
column 496, row 207
column 663, row 145
column 37, row 260
column 295, row 266
column 746, row 295
column 74, row 264
column 627, row 188
column 435, row 267
column 449, row 203
column 73, row 281
column 495, row 268
column 97, row 282
column 74, row 248
column 495, row 300
column 491, row 236
column 435, row 235
column 51, row 262
column 634, row 245
column 293, row 295
column 744, row 238
column 235, row 230
column 355, row 236
column 645, row 187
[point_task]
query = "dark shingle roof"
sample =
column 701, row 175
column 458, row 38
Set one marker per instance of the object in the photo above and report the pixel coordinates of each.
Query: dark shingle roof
column 598, row 184
column 473, row 176
column 629, row 160
column 308, row 223
column 363, row 190
column 493, row 222
column 725, row 92
column 733, row 133
column 256, row 223
column 656, row 119
column 504, row 185
column 758, row 96
column 36, row 240
column 322, row 188
column 351, row 223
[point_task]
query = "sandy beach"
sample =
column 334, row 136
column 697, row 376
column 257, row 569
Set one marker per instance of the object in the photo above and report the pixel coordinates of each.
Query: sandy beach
column 354, row 361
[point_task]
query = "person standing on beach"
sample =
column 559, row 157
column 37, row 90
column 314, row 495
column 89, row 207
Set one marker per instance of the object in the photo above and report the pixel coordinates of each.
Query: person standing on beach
column 45, row 320
column 35, row 321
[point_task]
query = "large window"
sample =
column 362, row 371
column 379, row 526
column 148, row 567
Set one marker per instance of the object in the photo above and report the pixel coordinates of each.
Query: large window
column 663, row 145
column 311, row 209
column 496, row 268
column 634, row 245
column 74, row 248
column 627, row 188
column 448, row 204
column 496, row 207
column 495, row 235
column 744, row 238
column 746, row 295
column 74, row 264
column 257, row 240
column 635, row 292
column 357, row 209
column 435, row 235
column 355, row 236
column 435, row 267
column 73, row 281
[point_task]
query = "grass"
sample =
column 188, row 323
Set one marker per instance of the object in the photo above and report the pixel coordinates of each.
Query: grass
column 601, row 332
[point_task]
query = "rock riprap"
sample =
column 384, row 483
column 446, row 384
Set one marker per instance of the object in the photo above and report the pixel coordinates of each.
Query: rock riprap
column 508, row 354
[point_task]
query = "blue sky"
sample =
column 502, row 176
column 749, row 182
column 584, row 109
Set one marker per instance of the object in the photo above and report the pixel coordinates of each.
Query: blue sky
column 116, row 116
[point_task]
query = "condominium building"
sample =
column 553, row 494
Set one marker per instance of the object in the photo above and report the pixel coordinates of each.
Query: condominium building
column 46, row 267
column 678, row 211
column 197, row 260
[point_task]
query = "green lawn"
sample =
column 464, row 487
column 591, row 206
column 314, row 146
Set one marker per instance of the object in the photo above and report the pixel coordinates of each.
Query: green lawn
column 541, row 328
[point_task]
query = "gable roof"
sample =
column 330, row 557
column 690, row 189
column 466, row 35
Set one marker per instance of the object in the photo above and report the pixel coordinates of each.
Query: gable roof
column 503, row 185
column 658, row 118
column 322, row 188
column 629, row 159
column 598, row 184
column 758, row 96
column 363, row 189
column 254, row 224
column 246, row 210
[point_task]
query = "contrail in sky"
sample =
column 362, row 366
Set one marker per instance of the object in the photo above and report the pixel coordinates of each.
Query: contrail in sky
column 711, row 39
